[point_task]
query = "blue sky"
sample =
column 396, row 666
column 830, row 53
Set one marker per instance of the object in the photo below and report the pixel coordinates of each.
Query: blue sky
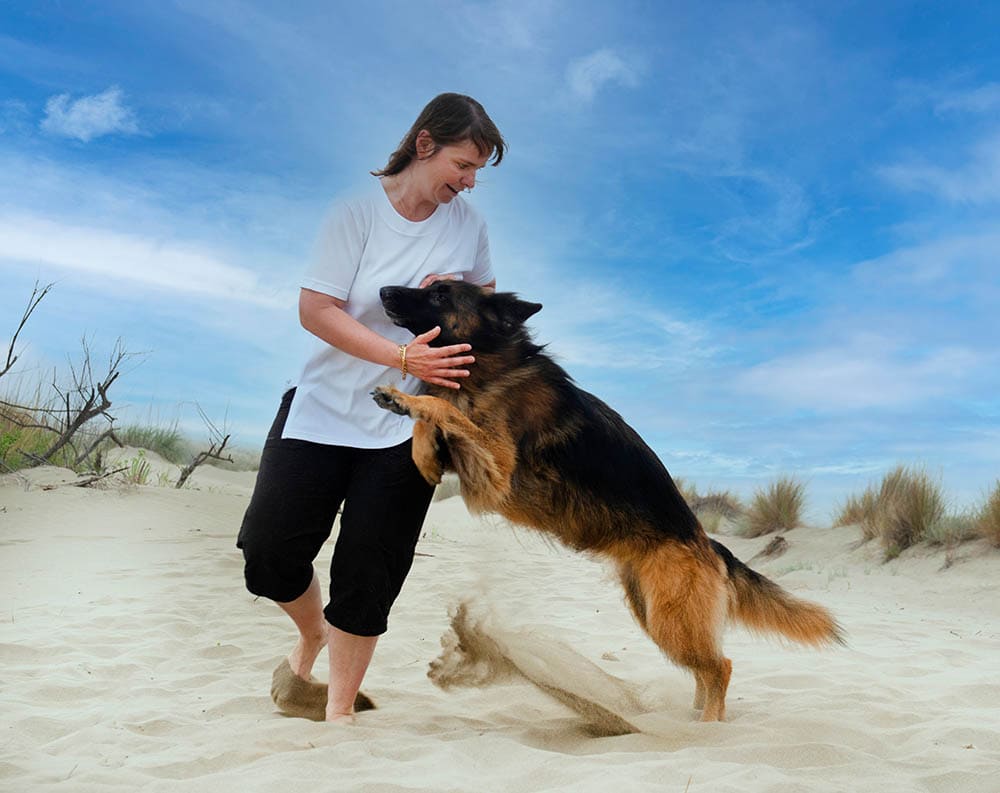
column 766, row 233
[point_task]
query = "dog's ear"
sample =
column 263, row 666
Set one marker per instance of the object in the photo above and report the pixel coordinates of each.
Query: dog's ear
column 517, row 312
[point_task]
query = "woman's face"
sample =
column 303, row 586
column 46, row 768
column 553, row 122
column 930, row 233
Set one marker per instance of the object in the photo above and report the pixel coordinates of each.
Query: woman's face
column 451, row 169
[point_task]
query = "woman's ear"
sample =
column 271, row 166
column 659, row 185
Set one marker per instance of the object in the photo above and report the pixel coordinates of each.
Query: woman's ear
column 425, row 144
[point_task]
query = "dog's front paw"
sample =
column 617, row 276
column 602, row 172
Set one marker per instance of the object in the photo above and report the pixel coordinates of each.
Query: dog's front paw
column 388, row 398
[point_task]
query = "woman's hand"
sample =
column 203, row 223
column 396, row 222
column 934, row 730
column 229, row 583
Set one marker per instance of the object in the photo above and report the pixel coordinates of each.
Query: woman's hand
column 437, row 365
column 430, row 279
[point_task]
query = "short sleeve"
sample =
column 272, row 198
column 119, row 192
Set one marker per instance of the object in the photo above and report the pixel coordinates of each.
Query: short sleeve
column 337, row 252
column 482, row 270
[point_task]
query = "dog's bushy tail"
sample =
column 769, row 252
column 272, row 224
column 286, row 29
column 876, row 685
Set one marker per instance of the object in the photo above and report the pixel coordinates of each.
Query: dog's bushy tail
column 764, row 607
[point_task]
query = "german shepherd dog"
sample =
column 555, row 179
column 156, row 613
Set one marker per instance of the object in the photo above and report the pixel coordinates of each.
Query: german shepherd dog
column 529, row 444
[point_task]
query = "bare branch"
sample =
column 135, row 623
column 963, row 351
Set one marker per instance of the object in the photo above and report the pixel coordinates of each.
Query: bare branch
column 86, row 399
column 217, row 444
column 108, row 433
column 90, row 480
column 36, row 298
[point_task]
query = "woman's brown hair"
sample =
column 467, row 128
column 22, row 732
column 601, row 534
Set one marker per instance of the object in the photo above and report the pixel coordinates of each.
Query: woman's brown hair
column 449, row 119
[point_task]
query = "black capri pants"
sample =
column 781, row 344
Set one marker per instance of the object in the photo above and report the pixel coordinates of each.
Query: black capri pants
column 300, row 486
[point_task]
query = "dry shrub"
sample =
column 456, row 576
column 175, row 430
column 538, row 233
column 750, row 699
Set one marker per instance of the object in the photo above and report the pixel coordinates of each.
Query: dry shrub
column 777, row 507
column 909, row 508
column 988, row 520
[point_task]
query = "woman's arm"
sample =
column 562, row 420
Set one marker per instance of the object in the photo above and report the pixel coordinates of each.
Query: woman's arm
column 324, row 317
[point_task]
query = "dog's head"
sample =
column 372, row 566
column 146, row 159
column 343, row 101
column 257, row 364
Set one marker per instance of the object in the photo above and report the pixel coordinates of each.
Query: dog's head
column 465, row 312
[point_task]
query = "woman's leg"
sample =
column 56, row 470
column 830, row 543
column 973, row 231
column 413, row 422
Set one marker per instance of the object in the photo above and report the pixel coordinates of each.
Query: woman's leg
column 384, row 510
column 300, row 486
column 349, row 658
column 306, row 612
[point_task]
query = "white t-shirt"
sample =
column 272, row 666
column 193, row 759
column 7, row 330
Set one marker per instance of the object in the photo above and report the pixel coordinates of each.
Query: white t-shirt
column 363, row 245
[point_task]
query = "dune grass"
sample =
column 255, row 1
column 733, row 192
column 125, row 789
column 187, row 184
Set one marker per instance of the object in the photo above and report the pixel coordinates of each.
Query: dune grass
column 724, row 503
column 711, row 508
column 951, row 530
column 687, row 489
column 988, row 519
column 775, row 508
column 908, row 507
column 858, row 510
column 165, row 441
column 21, row 444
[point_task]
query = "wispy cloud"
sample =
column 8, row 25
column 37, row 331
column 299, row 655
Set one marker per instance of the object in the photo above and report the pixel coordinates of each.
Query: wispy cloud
column 976, row 181
column 587, row 75
column 90, row 116
column 14, row 116
column 955, row 263
column 604, row 328
column 981, row 99
column 116, row 257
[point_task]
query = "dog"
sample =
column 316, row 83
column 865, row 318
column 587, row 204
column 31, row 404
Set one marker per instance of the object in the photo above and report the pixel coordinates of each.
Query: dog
column 529, row 444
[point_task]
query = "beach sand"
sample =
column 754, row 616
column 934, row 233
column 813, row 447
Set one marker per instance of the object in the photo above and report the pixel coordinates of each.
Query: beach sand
column 134, row 659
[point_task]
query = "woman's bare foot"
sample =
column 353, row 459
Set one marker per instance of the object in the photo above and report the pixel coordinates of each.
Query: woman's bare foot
column 297, row 697
column 307, row 698
column 303, row 657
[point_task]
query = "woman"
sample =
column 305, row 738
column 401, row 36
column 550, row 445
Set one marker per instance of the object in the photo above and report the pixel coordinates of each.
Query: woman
column 330, row 445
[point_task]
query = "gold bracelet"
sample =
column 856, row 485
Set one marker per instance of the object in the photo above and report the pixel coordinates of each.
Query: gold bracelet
column 402, row 359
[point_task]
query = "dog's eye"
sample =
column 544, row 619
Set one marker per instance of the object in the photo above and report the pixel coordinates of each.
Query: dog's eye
column 437, row 299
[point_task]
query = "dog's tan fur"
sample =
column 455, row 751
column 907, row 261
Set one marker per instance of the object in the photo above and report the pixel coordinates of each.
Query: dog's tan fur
column 520, row 435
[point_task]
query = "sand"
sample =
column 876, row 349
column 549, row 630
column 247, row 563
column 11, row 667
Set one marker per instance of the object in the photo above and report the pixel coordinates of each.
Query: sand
column 133, row 659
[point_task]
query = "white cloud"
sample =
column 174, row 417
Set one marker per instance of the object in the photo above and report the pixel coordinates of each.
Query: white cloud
column 113, row 257
column 864, row 375
column 89, row 117
column 587, row 75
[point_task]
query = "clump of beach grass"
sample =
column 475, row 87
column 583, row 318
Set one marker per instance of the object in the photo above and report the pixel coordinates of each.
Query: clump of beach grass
column 951, row 530
column 858, row 510
column 988, row 519
column 775, row 508
column 724, row 503
column 909, row 508
column 16, row 438
column 23, row 438
column 710, row 508
column 717, row 506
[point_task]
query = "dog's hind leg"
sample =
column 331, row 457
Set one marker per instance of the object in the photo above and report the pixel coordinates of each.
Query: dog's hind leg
column 685, row 607
column 633, row 592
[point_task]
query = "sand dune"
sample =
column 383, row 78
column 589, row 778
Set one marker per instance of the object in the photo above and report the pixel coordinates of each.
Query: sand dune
column 133, row 658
